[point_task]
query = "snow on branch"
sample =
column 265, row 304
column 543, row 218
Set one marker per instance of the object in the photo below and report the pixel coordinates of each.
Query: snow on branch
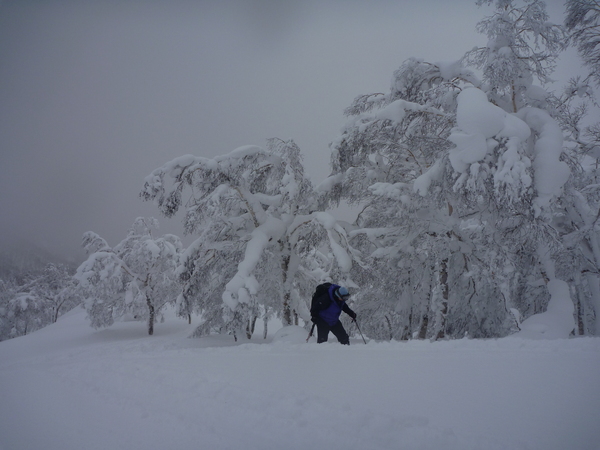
column 244, row 282
column 92, row 243
column 550, row 172
column 395, row 112
column 236, row 169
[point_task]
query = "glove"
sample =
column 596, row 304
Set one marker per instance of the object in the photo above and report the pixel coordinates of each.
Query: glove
column 353, row 315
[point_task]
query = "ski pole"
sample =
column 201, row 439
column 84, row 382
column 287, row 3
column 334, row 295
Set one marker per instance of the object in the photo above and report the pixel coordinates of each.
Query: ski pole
column 358, row 328
column 311, row 332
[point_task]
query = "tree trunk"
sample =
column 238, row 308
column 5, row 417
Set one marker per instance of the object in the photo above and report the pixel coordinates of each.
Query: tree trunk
column 389, row 324
column 407, row 333
column 579, row 304
column 594, row 286
column 514, row 97
column 443, row 310
column 287, row 310
column 423, row 330
column 55, row 313
column 287, row 297
column 150, row 315
column 580, row 318
column 250, row 327
column 594, row 281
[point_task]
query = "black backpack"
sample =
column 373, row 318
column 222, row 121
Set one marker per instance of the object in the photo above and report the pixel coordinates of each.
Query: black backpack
column 319, row 292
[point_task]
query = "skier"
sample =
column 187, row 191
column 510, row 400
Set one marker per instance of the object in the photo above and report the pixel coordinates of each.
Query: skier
column 328, row 302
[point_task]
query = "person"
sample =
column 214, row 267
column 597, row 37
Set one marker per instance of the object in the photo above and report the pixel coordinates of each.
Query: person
column 327, row 305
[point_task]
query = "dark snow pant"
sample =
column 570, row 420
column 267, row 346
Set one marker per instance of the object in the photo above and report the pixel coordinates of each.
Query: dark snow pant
column 337, row 329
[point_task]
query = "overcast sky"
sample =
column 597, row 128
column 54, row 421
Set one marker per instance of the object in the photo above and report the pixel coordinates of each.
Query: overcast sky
column 96, row 94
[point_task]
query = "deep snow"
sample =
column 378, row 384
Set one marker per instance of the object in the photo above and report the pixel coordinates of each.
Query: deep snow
column 70, row 387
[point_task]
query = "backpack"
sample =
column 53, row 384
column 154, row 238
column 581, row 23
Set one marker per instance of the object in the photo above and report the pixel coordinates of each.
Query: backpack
column 319, row 292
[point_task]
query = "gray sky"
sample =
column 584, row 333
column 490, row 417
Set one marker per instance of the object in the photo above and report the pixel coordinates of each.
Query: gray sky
column 96, row 94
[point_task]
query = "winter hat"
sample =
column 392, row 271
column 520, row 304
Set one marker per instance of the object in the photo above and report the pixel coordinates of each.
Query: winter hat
column 342, row 293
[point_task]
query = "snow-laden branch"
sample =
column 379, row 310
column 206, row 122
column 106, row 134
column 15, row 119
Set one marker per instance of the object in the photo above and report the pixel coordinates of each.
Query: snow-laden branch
column 244, row 283
column 338, row 240
column 550, row 172
column 395, row 112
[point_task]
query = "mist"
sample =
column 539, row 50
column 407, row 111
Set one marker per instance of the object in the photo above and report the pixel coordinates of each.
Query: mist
column 94, row 95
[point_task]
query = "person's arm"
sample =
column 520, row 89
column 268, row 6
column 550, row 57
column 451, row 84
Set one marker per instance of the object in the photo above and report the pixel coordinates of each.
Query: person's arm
column 348, row 311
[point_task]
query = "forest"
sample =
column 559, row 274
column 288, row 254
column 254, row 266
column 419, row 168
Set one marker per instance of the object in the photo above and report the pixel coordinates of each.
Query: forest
column 477, row 198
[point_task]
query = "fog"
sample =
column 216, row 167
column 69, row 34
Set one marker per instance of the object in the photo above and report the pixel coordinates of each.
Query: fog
column 96, row 94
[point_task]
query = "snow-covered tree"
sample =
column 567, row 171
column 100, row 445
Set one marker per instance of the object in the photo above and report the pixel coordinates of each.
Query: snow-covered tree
column 459, row 179
column 522, row 153
column 55, row 288
column 36, row 302
column 580, row 224
column 390, row 141
column 7, row 289
column 583, row 21
column 260, row 233
column 26, row 314
column 523, row 46
column 137, row 277
column 20, row 311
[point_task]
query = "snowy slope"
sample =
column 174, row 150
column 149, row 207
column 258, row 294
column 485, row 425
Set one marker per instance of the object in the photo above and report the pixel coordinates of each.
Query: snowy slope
column 69, row 387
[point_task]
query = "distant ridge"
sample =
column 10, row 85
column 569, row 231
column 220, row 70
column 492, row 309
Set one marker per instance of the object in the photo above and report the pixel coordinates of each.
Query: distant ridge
column 21, row 258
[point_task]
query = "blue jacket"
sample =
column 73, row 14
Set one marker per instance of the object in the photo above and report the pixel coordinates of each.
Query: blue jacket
column 329, row 308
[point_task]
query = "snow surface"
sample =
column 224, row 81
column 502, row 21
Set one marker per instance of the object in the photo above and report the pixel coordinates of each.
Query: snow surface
column 70, row 387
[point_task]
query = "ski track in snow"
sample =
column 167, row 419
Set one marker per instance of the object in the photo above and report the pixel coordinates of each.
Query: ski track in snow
column 71, row 387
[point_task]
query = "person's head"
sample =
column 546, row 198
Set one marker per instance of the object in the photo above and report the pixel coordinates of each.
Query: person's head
column 342, row 293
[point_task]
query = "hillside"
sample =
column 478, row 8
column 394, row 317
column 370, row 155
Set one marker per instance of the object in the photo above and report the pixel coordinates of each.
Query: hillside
column 69, row 387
